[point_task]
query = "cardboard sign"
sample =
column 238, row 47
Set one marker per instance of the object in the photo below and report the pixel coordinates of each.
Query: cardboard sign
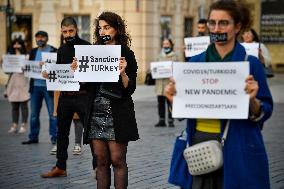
column 13, row 63
column 161, row 69
column 196, row 45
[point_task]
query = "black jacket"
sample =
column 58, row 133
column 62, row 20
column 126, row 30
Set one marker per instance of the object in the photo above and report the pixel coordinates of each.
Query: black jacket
column 66, row 53
column 125, row 126
column 32, row 57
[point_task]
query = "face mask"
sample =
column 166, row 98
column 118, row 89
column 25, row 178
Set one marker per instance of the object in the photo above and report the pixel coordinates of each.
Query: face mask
column 70, row 40
column 105, row 38
column 167, row 50
column 218, row 37
column 40, row 43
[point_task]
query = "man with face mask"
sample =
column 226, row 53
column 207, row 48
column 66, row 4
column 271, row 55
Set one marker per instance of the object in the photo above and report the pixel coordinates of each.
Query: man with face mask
column 68, row 102
column 39, row 92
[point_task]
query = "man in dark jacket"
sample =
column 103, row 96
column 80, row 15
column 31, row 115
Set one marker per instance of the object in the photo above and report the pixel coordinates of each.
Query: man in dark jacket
column 39, row 92
column 69, row 102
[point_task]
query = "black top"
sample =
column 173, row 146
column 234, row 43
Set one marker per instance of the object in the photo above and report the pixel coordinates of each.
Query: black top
column 66, row 53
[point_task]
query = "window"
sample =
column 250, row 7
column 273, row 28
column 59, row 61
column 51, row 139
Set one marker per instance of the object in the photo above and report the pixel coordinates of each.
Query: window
column 188, row 27
column 166, row 24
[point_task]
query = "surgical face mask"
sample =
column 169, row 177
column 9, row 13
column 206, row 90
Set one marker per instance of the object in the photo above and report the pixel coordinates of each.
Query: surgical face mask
column 218, row 37
column 40, row 43
column 105, row 38
column 167, row 50
column 70, row 40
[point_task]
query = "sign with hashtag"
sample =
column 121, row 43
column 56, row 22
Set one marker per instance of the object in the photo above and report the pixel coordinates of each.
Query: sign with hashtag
column 211, row 91
column 195, row 45
column 32, row 69
column 97, row 63
column 161, row 70
column 61, row 78
column 48, row 58
column 13, row 63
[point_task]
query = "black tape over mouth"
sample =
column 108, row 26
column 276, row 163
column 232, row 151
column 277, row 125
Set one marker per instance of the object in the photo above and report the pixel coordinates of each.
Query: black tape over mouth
column 218, row 37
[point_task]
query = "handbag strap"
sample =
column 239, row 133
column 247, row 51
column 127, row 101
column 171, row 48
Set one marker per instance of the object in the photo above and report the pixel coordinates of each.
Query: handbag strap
column 225, row 133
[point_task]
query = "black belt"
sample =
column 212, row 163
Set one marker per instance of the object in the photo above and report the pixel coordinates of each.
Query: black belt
column 73, row 93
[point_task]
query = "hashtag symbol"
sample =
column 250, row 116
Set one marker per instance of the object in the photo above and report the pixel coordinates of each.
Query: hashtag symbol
column 189, row 46
column 52, row 76
column 28, row 68
column 84, row 64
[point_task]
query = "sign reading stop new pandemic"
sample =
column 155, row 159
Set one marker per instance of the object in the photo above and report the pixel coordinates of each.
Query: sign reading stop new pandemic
column 161, row 69
column 61, row 78
column 196, row 45
column 97, row 63
column 13, row 63
column 211, row 90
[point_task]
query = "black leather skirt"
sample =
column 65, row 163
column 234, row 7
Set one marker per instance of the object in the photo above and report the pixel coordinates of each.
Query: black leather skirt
column 102, row 127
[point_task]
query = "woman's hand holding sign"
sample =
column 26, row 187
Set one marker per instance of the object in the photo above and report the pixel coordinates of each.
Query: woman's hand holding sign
column 251, row 89
column 170, row 90
column 74, row 64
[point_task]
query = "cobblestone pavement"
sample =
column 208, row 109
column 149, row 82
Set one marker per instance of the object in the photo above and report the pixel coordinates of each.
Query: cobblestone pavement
column 148, row 158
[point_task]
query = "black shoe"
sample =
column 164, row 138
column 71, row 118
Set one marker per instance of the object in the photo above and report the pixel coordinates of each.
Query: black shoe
column 161, row 123
column 171, row 124
column 30, row 142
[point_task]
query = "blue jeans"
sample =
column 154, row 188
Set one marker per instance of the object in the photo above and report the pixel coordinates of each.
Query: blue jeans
column 37, row 96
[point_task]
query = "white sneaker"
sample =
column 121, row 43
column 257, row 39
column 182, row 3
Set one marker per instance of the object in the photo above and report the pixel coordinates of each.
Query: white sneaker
column 77, row 149
column 53, row 150
column 13, row 129
column 23, row 128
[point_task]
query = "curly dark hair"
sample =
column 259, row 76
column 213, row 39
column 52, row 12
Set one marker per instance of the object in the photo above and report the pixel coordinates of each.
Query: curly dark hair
column 122, row 37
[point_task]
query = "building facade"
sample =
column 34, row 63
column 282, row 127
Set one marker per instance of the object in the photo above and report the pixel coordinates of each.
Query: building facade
column 148, row 21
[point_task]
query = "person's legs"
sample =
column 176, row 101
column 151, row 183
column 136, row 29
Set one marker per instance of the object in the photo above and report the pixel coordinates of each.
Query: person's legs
column 36, row 103
column 78, row 131
column 52, row 119
column 25, row 113
column 118, row 161
column 170, row 118
column 64, row 115
column 103, row 163
column 15, row 117
column 161, row 111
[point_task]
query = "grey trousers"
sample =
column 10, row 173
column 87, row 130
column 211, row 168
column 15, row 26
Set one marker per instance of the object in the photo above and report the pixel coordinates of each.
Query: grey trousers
column 78, row 131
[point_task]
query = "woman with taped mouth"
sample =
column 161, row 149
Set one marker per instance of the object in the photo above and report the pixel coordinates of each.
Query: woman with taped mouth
column 111, row 123
column 245, row 159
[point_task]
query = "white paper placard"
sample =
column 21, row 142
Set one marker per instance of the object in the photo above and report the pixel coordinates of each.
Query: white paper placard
column 251, row 48
column 13, row 63
column 211, row 90
column 196, row 45
column 61, row 78
column 161, row 69
column 97, row 63
column 33, row 69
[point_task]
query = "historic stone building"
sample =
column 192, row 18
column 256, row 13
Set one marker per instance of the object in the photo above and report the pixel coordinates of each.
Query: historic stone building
column 148, row 22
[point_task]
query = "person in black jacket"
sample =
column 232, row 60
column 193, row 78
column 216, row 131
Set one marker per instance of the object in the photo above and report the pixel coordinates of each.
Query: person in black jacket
column 68, row 102
column 111, row 121
column 39, row 92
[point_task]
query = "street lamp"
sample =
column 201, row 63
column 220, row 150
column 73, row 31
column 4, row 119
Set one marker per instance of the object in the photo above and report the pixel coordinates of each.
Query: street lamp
column 9, row 13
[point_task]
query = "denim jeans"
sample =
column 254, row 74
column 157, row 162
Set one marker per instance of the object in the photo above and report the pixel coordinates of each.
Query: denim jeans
column 37, row 96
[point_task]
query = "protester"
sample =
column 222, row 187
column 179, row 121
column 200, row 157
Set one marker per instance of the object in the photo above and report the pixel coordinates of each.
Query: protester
column 39, row 92
column 250, row 36
column 201, row 27
column 18, row 91
column 167, row 54
column 69, row 102
column 245, row 159
column 110, row 137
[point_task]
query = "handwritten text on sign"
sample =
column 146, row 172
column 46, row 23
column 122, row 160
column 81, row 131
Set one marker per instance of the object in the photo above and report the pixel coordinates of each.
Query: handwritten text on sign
column 13, row 63
column 161, row 69
column 61, row 78
column 211, row 90
column 97, row 63
column 33, row 69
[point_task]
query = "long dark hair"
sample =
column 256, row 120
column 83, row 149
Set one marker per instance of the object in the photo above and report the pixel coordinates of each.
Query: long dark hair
column 122, row 37
column 238, row 11
column 23, row 50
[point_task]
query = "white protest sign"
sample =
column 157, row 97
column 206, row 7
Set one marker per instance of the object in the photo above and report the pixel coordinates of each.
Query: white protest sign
column 161, row 69
column 196, row 45
column 251, row 48
column 97, row 63
column 61, row 78
column 33, row 69
column 13, row 63
column 211, row 90
column 47, row 58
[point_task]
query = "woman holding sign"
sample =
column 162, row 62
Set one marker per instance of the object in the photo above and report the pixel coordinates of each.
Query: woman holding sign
column 111, row 123
column 245, row 159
